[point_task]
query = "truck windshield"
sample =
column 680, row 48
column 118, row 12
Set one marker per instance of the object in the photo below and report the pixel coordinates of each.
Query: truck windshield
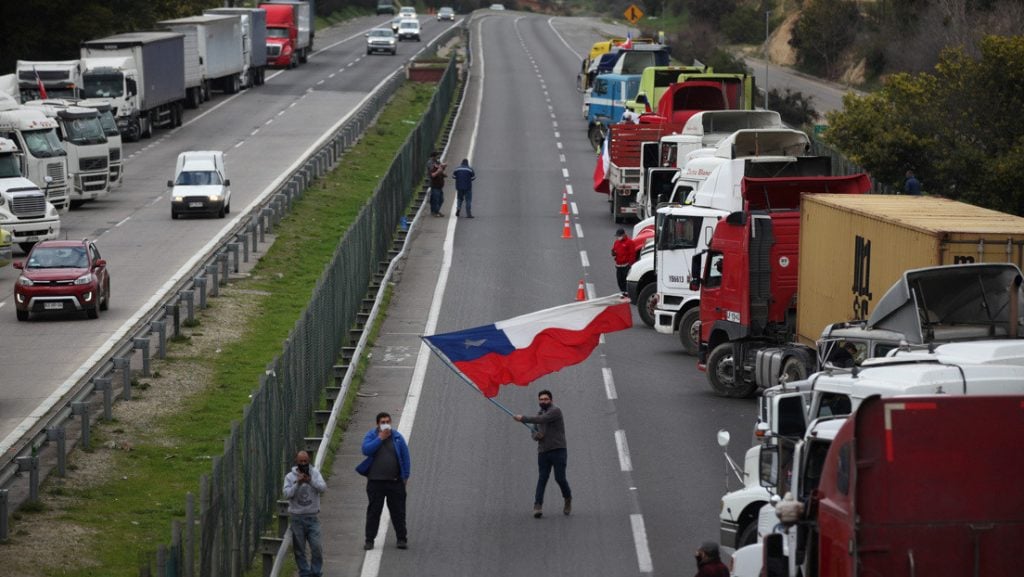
column 679, row 232
column 9, row 166
column 108, row 123
column 83, row 131
column 277, row 32
column 102, row 86
column 43, row 143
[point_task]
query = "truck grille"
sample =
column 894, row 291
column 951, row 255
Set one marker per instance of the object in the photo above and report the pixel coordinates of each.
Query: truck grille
column 94, row 163
column 29, row 206
column 95, row 182
column 115, row 155
column 56, row 172
column 273, row 50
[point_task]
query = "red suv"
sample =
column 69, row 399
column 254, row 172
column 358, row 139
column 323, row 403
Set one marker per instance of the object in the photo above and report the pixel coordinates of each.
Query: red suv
column 62, row 275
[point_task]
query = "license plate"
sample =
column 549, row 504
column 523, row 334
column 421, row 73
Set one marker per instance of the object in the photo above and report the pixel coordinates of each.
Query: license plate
column 195, row 205
column 30, row 239
column 629, row 209
column 53, row 306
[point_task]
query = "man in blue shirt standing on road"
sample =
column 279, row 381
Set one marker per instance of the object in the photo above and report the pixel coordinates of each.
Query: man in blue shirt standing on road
column 464, row 177
column 386, row 468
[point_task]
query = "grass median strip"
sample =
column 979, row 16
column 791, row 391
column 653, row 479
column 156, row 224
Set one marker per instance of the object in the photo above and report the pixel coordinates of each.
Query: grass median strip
column 118, row 501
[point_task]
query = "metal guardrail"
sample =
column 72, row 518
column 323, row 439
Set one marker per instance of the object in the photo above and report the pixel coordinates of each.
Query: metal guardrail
column 44, row 448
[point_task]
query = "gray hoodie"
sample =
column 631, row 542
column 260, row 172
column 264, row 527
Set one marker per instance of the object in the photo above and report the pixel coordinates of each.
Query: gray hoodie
column 304, row 498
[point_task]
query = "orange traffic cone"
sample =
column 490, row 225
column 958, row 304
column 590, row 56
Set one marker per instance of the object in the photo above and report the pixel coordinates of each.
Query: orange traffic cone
column 581, row 293
column 566, row 232
column 565, row 203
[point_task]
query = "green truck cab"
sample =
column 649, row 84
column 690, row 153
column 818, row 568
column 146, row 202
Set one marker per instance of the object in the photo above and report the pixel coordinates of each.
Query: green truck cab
column 655, row 80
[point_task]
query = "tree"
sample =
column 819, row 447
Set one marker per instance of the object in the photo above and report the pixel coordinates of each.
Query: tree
column 826, row 28
column 956, row 126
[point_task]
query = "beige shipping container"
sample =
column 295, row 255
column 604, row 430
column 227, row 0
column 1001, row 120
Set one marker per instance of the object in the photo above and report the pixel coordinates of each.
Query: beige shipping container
column 854, row 247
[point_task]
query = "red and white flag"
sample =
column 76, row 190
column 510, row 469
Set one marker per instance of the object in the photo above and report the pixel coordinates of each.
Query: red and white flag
column 628, row 44
column 601, row 168
column 39, row 84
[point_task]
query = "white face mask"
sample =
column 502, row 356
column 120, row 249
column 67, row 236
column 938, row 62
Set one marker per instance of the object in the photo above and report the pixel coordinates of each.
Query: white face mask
column 385, row 426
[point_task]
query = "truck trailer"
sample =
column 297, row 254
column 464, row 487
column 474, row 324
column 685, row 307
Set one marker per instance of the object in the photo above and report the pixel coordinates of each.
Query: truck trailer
column 142, row 74
column 254, row 43
column 215, row 41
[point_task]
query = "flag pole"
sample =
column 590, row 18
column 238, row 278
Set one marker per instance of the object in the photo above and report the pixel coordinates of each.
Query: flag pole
column 472, row 385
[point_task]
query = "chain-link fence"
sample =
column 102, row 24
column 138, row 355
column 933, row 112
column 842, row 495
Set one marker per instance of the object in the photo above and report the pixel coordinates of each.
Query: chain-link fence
column 238, row 498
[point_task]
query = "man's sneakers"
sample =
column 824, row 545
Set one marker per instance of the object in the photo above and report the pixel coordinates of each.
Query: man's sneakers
column 538, row 510
column 568, row 506
column 368, row 545
column 403, row 544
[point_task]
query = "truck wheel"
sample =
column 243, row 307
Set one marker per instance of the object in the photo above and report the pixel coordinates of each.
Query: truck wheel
column 723, row 375
column 303, row 57
column 596, row 137
column 748, row 535
column 689, row 331
column 146, row 124
column 793, row 370
column 645, row 302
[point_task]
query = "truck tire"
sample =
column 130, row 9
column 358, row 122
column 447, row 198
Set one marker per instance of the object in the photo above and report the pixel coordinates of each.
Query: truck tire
column 146, row 125
column 747, row 535
column 645, row 302
column 793, row 370
column 596, row 137
column 616, row 217
column 689, row 331
column 303, row 57
column 193, row 98
column 722, row 374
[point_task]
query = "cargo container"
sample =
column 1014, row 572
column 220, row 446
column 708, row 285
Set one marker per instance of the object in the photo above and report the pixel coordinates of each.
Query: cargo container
column 143, row 76
column 854, row 248
column 254, row 43
column 215, row 41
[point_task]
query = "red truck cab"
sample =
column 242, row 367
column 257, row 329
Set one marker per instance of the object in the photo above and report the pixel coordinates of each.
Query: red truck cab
column 749, row 282
column 289, row 32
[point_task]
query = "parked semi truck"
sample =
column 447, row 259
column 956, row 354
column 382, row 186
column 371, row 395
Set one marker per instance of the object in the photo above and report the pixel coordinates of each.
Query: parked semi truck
column 254, row 43
column 25, row 213
column 290, row 32
column 655, row 80
column 908, row 486
column 60, row 79
column 42, row 157
column 85, row 142
column 605, row 103
column 106, row 112
column 143, row 76
column 215, row 41
column 971, row 292
column 843, row 273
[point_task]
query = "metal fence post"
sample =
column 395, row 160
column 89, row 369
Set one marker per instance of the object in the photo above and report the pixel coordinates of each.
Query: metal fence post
column 225, row 272
column 124, row 364
column 173, row 310
column 59, row 435
column 242, row 240
column 104, row 384
column 190, row 312
column 160, row 327
column 30, row 464
column 200, row 283
column 190, row 535
column 142, row 344
column 4, row 513
column 213, row 271
column 82, row 410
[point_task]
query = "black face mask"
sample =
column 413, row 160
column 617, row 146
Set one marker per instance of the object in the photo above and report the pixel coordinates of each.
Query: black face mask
column 544, row 406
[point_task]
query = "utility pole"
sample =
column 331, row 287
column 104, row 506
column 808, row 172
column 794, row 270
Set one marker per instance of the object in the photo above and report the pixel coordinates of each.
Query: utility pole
column 767, row 15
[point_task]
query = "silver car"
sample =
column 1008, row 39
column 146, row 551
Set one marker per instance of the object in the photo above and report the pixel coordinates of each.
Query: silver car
column 381, row 40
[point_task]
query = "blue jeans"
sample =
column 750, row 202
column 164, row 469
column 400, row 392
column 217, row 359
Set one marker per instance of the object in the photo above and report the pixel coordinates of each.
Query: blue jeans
column 467, row 196
column 436, row 200
column 554, row 459
column 306, row 529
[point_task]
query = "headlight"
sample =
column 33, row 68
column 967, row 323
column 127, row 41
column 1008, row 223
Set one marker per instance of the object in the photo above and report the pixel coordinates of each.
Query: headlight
column 25, row 281
column 215, row 197
column 84, row 279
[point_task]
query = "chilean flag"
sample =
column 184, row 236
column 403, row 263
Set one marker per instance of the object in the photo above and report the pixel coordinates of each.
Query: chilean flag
column 601, row 167
column 520, row 350
column 39, row 84
column 628, row 44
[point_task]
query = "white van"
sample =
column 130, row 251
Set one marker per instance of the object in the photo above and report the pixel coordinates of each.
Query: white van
column 200, row 185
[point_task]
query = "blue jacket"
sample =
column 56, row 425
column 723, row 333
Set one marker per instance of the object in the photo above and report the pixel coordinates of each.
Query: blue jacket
column 464, row 177
column 371, row 442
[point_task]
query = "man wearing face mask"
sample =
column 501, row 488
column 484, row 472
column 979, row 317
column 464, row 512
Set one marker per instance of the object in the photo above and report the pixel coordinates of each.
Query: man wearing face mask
column 709, row 564
column 551, row 451
column 386, row 468
column 302, row 487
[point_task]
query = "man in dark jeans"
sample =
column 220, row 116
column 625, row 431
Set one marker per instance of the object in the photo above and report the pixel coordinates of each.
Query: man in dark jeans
column 435, row 171
column 386, row 468
column 551, row 451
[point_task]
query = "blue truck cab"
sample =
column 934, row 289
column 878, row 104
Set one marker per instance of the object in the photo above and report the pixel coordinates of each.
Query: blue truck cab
column 606, row 101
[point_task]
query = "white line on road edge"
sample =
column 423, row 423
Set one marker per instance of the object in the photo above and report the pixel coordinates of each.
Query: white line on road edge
column 583, row 259
column 568, row 189
column 625, row 463
column 579, row 230
column 565, row 172
column 609, row 383
column 575, row 209
column 550, row 20
column 643, row 552
column 373, row 557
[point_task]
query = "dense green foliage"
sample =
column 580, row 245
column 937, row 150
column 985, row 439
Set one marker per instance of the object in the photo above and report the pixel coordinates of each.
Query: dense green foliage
column 957, row 126
column 826, row 28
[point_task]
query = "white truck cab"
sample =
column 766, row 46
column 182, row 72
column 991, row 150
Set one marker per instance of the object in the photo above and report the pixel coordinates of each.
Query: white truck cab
column 109, row 123
column 200, row 185
column 84, row 139
column 42, row 156
column 25, row 213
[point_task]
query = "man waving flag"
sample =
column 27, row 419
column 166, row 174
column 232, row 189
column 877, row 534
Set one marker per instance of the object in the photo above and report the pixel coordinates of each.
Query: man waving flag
column 522, row 349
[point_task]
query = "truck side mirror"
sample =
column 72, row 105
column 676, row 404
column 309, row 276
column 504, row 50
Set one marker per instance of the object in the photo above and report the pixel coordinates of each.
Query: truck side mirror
column 131, row 87
column 170, row 184
column 723, row 438
column 227, row 182
column 768, row 466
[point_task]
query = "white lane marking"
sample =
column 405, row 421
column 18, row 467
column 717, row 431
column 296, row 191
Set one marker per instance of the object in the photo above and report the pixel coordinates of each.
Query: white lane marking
column 254, row 132
column 44, row 407
column 281, row 113
column 553, row 115
column 239, row 144
column 643, row 552
column 565, row 172
column 331, row 75
column 591, row 293
column 126, row 219
column 579, row 230
column 321, row 81
column 554, row 124
column 583, row 259
column 609, row 383
column 625, row 463
column 267, row 123
column 568, row 189
column 557, row 135
column 373, row 558
column 559, row 145
column 578, row 55
column 575, row 209
column 561, row 158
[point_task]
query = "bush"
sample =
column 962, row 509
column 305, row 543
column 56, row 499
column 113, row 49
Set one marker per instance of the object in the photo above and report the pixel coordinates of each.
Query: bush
column 744, row 26
column 795, row 108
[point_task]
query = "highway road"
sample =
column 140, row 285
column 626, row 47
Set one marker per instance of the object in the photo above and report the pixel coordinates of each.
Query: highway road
column 826, row 96
column 646, row 473
column 262, row 130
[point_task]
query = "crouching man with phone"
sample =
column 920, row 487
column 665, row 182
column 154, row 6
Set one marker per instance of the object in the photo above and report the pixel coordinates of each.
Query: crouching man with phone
column 386, row 468
column 302, row 487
